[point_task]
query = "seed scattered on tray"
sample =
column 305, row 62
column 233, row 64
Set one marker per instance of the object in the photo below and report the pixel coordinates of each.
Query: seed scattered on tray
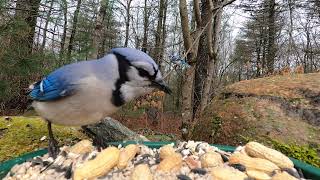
column 185, row 161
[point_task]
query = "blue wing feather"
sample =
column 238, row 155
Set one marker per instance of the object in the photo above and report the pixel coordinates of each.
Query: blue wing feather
column 51, row 88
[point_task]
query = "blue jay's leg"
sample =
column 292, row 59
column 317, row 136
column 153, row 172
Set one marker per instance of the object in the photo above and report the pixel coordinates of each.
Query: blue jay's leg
column 97, row 138
column 53, row 148
column 98, row 141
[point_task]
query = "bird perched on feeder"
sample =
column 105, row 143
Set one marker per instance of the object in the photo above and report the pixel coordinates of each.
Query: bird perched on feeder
column 83, row 93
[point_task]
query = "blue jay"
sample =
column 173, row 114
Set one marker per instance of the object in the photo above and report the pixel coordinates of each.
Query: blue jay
column 85, row 92
column 178, row 60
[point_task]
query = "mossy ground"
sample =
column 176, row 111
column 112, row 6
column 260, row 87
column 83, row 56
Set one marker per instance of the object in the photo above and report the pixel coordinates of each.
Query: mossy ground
column 304, row 153
column 22, row 134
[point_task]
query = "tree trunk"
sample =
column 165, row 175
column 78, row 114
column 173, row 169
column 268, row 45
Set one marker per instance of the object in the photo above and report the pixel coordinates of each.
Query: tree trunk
column 65, row 20
column 213, row 58
column 37, row 46
column 135, row 28
column 187, row 97
column 26, row 12
column 98, row 30
column 179, row 92
column 187, row 86
column 271, row 36
column 264, row 32
column 163, row 36
column 259, row 52
column 157, row 51
column 74, row 29
column 127, row 22
column 203, row 56
column 290, row 45
column 307, row 51
column 46, row 26
column 145, row 27
column 53, row 44
column 107, row 40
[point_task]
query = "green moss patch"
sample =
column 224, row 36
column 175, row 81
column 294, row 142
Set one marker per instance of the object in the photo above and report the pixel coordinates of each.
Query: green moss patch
column 20, row 135
column 307, row 154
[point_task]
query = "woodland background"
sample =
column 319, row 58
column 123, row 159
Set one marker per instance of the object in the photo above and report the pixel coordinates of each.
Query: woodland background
column 202, row 46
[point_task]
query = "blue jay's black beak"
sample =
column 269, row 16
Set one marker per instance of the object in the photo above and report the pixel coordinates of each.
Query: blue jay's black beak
column 162, row 86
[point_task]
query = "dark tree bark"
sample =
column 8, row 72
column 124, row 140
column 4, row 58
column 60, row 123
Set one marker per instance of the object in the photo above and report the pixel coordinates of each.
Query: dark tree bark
column 187, row 86
column 158, row 49
column 53, row 44
column 135, row 28
column 98, row 30
column 26, row 13
column 258, row 49
column 163, row 36
column 203, row 73
column 128, row 7
column 264, row 51
column 65, row 20
column 37, row 46
column 307, row 49
column 271, row 36
column 207, row 57
column 109, row 37
column 145, row 27
column 213, row 57
column 46, row 26
column 74, row 29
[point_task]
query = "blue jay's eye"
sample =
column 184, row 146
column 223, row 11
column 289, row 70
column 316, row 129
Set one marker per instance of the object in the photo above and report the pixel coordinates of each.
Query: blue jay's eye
column 144, row 73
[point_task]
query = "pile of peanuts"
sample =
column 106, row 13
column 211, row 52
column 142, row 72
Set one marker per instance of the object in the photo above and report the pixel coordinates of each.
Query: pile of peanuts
column 184, row 161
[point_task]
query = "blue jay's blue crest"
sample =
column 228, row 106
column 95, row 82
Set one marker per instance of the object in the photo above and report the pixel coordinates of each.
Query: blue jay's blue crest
column 134, row 55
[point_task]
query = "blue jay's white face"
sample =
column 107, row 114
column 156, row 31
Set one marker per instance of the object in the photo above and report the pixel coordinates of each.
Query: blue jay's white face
column 143, row 74
column 146, row 75
column 135, row 79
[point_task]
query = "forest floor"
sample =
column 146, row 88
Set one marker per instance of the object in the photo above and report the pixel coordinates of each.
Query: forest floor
column 284, row 109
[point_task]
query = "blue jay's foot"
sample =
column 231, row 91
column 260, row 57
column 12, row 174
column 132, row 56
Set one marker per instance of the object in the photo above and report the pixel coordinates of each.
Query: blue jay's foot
column 53, row 148
column 98, row 141
column 97, row 138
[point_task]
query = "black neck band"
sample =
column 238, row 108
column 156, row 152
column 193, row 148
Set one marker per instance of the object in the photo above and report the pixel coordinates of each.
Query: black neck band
column 123, row 67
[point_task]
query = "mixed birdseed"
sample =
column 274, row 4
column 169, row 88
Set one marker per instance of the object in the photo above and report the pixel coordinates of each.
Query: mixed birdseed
column 199, row 160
